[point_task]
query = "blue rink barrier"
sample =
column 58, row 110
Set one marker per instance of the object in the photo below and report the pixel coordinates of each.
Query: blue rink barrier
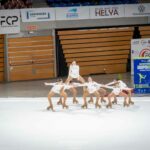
column 142, row 76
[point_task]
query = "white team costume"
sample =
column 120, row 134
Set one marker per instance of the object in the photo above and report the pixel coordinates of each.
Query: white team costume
column 92, row 86
column 57, row 88
column 74, row 71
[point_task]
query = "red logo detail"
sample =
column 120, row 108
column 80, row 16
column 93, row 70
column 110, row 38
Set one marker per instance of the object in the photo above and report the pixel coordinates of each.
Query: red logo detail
column 145, row 53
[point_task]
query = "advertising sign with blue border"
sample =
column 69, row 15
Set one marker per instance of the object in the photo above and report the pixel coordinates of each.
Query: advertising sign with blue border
column 142, row 76
column 38, row 14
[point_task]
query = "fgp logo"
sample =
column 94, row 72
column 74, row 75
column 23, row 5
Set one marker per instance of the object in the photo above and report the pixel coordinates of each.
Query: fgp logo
column 141, row 8
column 6, row 21
column 145, row 53
column 72, row 13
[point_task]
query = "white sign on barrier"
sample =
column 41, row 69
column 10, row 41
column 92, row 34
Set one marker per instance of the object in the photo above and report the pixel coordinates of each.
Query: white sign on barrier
column 137, row 10
column 109, row 11
column 140, row 48
column 38, row 14
column 9, row 21
column 72, row 13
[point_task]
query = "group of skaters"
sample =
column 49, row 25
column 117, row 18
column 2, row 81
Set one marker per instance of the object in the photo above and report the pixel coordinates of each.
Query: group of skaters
column 90, row 88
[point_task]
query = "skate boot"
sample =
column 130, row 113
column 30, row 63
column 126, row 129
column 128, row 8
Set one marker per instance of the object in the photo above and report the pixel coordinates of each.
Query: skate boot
column 75, row 101
column 65, row 106
column 84, row 106
column 59, row 102
column 97, row 106
column 125, row 104
column 103, row 100
column 114, row 101
column 91, row 101
column 109, row 105
column 50, row 107
column 131, row 102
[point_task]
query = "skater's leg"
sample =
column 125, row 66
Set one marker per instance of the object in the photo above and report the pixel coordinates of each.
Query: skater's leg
column 91, row 101
column 126, row 103
column 115, row 100
column 81, row 79
column 102, row 94
column 68, row 80
column 97, row 105
column 85, row 94
column 129, row 95
column 50, row 94
column 60, row 101
column 64, row 95
column 109, row 105
column 74, row 93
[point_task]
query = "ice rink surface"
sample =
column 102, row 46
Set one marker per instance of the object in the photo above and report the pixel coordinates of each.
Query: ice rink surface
column 25, row 124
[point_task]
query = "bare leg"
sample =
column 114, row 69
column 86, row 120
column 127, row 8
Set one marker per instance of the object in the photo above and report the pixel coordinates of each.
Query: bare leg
column 85, row 94
column 50, row 101
column 129, row 95
column 115, row 100
column 126, row 103
column 109, row 105
column 68, row 79
column 74, row 93
column 60, row 101
column 97, row 105
column 81, row 79
column 102, row 94
column 91, row 101
column 64, row 95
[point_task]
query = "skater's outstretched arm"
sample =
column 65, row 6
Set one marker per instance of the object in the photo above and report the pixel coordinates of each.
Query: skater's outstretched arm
column 51, row 84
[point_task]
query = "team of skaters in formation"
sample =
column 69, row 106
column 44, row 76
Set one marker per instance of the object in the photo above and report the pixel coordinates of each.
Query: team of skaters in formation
column 90, row 88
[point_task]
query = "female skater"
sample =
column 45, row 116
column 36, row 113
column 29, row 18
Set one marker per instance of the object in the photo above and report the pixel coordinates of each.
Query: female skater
column 72, row 88
column 124, row 88
column 74, row 73
column 116, row 91
column 91, row 88
column 58, row 88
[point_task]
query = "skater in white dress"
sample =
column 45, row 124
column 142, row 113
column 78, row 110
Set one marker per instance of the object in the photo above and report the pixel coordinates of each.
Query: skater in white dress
column 58, row 88
column 91, row 89
column 74, row 73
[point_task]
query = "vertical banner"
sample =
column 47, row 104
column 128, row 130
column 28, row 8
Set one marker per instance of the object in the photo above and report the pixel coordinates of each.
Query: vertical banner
column 142, row 76
column 109, row 11
column 72, row 13
column 140, row 48
column 9, row 21
column 38, row 14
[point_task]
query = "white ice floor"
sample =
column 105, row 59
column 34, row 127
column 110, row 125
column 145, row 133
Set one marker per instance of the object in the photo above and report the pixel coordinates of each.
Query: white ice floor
column 26, row 125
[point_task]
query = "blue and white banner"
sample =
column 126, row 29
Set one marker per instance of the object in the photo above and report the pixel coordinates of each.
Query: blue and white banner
column 38, row 14
column 108, row 11
column 140, row 48
column 72, row 13
column 9, row 21
column 142, row 76
column 137, row 10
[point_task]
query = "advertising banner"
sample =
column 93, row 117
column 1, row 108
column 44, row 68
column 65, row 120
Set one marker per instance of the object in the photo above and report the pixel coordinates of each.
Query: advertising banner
column 72, row 13
column 38, row 14
column 9, row 21
column 140, row 48
column 137, row 10
column 142, row 76
column 109, row 11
